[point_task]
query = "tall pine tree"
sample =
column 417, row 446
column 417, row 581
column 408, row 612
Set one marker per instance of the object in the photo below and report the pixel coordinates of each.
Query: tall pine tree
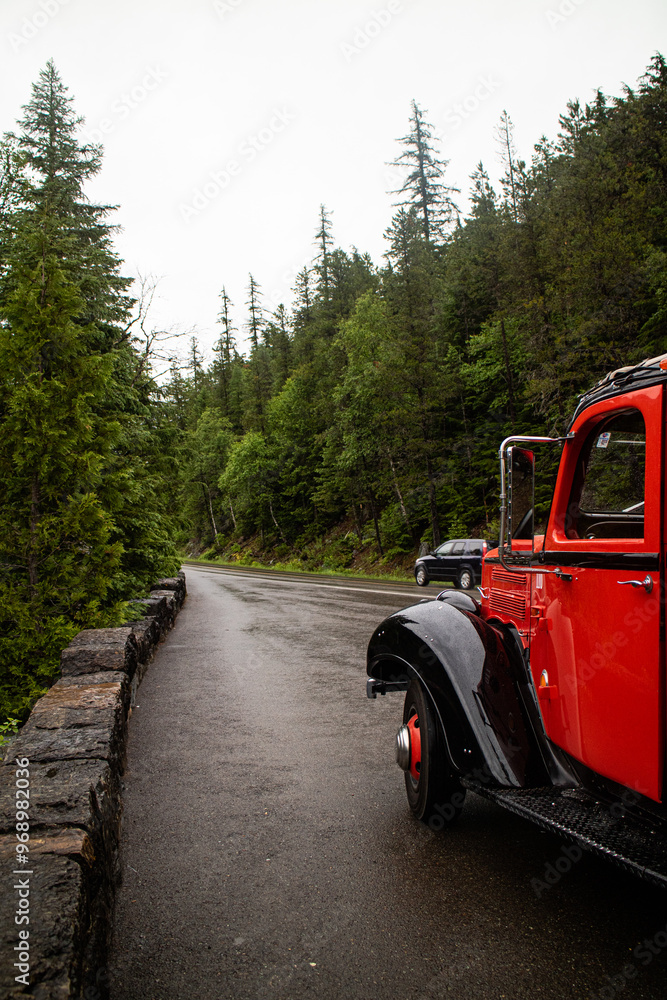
column 70, row 407
column 424, row 187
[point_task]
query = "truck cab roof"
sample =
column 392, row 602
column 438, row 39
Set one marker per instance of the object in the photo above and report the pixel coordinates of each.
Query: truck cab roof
column 648, row 372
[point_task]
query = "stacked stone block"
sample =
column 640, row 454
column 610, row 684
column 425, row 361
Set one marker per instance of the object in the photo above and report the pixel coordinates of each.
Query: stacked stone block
column 75, row 743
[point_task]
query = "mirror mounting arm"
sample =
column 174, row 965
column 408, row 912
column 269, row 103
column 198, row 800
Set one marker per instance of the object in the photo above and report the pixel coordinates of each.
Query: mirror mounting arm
column 504, row 447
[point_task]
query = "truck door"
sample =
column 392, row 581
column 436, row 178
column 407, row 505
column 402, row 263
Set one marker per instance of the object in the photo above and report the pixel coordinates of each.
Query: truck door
column 602, row 613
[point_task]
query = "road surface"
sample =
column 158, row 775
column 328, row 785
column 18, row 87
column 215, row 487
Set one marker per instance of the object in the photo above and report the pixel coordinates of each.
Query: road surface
column 268, row 851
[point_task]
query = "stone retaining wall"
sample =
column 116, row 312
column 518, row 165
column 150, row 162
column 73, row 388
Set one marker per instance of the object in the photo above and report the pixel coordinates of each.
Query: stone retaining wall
column 74, row 742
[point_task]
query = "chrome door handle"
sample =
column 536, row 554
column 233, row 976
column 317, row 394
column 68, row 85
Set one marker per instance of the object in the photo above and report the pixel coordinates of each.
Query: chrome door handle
column 646, row 583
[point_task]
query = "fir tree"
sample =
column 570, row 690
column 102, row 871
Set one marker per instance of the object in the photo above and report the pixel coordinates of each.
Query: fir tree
column 227, row 366
column 280, row 345
column 79, row 521
column 424, row 186
column 56, row 552
column 255, row 322
column 508, row 157
column 55, row 166
column 324, row 242
column 256, row 372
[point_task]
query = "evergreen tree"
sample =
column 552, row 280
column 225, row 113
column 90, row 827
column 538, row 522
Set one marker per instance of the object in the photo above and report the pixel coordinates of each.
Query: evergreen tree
column 54, row 167
column 303, row 315
column 279, row 342
column 76, row 444
column 424, row 186
column 256, row 320
column 257, row 369
column 413, row 292
column 56, row 552
column 195, row 364
column 324, row 242
column 227, row 368
column 511, row 162
column 472, row 264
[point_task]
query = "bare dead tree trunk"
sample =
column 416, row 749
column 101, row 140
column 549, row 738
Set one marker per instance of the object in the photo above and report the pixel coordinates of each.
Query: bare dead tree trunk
column 397, row 488
column 505, row 139
column 371, row 499
column 358, row 521
column 207, row 500
column 374, row 514
column 273, row 518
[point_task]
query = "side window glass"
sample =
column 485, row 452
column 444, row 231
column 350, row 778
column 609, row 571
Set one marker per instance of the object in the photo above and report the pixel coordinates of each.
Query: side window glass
column 459, row 548
column 476, row 548
column 608, row 494
column 445, row 549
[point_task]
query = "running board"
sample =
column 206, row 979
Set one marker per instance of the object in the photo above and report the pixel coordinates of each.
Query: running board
column 608, row 829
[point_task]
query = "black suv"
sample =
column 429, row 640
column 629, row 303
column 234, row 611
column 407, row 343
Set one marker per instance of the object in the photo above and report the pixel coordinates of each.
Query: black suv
column 459, row 561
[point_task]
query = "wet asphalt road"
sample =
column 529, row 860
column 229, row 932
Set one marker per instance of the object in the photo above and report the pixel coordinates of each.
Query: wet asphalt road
column 268, row 851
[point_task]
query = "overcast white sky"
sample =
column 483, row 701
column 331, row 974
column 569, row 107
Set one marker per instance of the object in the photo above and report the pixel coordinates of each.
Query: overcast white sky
column 226, row 123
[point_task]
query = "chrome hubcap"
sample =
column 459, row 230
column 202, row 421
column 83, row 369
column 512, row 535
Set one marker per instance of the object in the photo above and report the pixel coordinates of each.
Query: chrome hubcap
column 403, row 748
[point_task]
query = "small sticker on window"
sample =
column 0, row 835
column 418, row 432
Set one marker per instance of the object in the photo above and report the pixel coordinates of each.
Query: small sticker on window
column 603, row 440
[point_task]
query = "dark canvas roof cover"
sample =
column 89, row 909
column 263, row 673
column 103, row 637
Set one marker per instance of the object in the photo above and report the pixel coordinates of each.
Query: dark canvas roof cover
column 648, row 372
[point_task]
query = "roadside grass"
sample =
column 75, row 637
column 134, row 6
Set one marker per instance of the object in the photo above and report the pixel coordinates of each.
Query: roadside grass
column 296, row 566
column 340, row 552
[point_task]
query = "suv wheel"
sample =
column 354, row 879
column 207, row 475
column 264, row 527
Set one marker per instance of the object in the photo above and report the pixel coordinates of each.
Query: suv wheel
column 465, row 580
column 421, row 576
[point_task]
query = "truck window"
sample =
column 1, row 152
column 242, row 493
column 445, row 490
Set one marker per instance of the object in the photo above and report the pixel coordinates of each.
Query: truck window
column 608, row 492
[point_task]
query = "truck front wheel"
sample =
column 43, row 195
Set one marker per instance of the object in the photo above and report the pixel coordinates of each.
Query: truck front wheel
column 435, row 795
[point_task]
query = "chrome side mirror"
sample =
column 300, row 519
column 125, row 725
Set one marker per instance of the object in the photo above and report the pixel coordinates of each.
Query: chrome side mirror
column 517, row 497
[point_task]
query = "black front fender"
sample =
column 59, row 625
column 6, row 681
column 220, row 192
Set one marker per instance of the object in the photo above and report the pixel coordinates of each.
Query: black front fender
column 480, row 687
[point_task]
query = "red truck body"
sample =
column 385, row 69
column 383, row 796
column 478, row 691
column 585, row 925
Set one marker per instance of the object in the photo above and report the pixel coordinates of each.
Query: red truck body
column 549, row 693
column 595, row 641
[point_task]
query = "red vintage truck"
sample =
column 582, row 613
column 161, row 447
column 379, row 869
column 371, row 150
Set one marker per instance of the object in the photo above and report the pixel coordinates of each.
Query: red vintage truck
column 547, row 694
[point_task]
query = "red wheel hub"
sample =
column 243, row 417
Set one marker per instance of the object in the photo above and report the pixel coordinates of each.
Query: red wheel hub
column 415, row 746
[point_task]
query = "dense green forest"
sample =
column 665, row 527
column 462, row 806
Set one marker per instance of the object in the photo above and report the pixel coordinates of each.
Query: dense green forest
column 362, row 422
column 367, row 420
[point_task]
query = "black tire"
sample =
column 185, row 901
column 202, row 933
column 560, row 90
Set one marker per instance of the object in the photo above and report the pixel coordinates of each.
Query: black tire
column 436, row 797
column 421, row 576
column 466, row 580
